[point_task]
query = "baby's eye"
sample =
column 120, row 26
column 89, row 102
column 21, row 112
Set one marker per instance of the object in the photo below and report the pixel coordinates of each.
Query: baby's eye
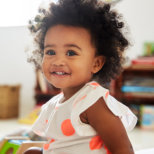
column 50, row 52
column 71, row 53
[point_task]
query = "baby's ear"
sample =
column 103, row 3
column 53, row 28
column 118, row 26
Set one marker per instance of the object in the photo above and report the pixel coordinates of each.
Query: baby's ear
column 98, row 64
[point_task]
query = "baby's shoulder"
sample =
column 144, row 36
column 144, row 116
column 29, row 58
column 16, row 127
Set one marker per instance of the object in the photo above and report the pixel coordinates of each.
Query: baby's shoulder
column 96, row 89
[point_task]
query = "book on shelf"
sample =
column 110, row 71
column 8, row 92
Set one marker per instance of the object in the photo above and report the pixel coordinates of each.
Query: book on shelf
column 139, row 94
column 143, row 61
column 147, row 117
column 145, row 114
column 132, row 88
column 139, row 81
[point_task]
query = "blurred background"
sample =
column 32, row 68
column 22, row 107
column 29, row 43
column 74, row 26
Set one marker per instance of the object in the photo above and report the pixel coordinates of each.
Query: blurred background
column 24, row 87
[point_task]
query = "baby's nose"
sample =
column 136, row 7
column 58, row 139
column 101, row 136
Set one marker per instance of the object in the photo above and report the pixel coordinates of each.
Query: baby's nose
column 59, row 61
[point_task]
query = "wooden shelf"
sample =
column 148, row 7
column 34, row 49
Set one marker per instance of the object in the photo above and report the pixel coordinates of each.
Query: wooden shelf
column 139, row 95
column 129, row 73
column 140, row 68
column 134, row 88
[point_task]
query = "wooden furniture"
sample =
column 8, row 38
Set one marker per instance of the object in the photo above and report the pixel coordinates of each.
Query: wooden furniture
column 138, row 72
column 18, row 144
column 9, row 101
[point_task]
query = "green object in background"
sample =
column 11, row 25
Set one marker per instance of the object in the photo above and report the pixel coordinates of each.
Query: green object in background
column 148, row 49
column 11, row 146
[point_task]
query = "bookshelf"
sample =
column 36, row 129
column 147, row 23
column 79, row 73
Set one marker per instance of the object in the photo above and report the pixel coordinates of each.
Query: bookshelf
column 135, row 88
column 136, row 85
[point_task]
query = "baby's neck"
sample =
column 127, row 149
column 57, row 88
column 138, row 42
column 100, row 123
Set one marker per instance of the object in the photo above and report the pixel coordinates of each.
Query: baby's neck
column 69, row 92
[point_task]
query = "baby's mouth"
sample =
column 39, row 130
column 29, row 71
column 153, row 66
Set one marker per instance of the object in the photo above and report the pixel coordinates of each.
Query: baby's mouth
column 60, row 73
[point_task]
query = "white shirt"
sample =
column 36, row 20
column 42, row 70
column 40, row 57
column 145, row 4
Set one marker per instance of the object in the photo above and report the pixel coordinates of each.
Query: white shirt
column 60, row 122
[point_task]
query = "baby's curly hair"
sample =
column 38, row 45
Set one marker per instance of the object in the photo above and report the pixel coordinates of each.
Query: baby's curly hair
column 104, row 25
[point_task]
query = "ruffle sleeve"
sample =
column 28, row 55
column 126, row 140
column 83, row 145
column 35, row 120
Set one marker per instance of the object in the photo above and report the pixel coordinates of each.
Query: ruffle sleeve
column 88, row 97
column 40, row 125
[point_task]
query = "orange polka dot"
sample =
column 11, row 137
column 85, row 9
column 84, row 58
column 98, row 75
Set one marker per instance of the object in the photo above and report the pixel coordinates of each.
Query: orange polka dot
column 67, row 128
column 94, row 84
column 96, row 143
column 46, row 146
column 79, row 100
column 107, row 94
column 52, row 140
column 83, row 97
column 46, row 121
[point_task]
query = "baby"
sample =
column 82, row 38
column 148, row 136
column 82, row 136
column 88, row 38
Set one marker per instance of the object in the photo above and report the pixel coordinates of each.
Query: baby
column 80, row 48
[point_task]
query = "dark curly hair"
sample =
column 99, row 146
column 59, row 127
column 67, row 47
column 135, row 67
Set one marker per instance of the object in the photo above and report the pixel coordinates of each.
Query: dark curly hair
column 104, row 25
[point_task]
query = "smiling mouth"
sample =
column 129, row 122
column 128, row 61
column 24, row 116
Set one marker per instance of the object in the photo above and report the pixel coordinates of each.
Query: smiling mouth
column 60, row 73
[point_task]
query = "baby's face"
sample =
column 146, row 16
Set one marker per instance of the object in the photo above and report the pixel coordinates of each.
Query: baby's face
column 69, row 57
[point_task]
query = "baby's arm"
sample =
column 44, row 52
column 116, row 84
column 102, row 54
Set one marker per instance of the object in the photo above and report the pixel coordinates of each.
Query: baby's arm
column 109, row 127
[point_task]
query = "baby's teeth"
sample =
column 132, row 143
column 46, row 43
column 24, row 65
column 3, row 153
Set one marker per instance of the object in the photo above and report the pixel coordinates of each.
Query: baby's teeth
column 59, row 73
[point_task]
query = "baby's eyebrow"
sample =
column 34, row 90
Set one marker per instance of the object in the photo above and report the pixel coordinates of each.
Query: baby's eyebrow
column 49, row 46
column 66, row 45
column 72, row 45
